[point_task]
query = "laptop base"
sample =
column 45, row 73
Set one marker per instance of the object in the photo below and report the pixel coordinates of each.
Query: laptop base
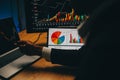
column 16, row 65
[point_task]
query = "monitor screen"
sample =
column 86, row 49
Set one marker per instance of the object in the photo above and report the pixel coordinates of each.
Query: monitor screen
column 44, row 14
column 8, row 35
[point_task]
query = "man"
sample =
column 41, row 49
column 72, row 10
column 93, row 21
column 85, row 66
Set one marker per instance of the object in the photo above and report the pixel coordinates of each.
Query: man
column 99, row 58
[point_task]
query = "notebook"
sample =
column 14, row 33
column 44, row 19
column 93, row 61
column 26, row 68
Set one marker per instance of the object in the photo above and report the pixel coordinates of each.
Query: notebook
column 64, row 38
column 11, row 59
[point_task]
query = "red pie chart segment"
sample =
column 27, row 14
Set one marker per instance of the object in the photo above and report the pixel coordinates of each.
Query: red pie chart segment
column 56, row 34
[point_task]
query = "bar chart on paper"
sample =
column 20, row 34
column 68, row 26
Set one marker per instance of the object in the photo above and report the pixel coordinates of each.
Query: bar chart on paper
column 60, row 36
column 64, row 38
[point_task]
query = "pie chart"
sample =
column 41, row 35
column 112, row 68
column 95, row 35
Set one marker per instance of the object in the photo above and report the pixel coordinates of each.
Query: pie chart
column 57, row 37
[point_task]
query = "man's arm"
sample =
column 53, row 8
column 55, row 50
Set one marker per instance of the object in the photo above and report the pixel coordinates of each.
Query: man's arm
column 67, row 57
column 56, row 56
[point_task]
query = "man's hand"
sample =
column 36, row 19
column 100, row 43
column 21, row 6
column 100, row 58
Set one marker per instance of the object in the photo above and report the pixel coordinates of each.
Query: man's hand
column 28, row 48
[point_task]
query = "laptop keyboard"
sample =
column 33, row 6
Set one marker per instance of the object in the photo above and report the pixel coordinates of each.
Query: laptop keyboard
column 10, row 56
column 13, row 67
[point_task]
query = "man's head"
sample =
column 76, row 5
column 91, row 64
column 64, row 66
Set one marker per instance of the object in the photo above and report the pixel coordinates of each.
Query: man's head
column 85, row 6
column 104, row 18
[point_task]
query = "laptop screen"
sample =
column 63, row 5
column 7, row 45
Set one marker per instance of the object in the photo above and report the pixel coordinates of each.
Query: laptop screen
column 8, row 35
column 64, row 38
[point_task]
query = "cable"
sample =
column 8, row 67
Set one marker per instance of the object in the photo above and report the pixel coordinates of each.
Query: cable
column 37, row 38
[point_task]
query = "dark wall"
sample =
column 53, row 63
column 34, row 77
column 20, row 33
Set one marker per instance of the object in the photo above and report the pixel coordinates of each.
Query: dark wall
column 9, row 8
column 5, row 8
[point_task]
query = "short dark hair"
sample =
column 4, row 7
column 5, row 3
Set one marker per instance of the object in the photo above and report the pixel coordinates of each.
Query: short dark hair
column 85, row 6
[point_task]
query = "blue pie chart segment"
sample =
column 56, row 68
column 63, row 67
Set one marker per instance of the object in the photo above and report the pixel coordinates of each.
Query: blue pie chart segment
column 61, row 39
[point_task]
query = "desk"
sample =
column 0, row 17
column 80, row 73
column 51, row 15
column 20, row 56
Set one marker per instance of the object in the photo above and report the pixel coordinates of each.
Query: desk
column 41, row 69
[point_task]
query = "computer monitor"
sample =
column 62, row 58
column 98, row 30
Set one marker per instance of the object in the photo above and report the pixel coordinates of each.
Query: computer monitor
column 8, row 35
column 44, row 14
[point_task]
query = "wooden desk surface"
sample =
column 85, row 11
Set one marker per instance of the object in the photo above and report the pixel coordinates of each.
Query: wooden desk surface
column 41, row 69
column 33, row 36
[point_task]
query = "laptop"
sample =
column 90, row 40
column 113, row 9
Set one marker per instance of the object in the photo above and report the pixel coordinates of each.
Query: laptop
column 64, row 38
column 11, row 59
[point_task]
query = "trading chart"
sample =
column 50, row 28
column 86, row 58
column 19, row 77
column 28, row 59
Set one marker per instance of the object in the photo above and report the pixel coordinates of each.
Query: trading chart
column 44, row 14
